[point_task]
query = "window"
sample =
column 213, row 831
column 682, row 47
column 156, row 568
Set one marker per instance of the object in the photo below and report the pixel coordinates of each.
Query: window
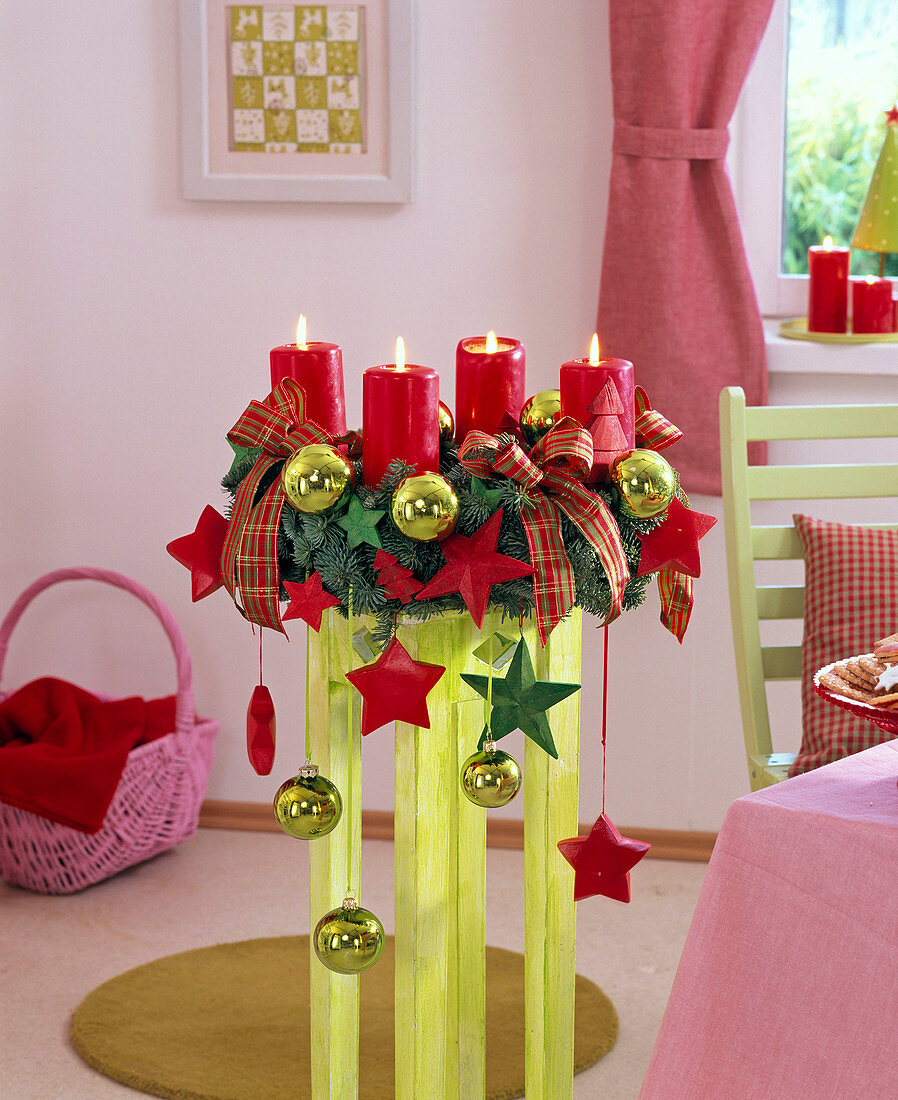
column 808, row 132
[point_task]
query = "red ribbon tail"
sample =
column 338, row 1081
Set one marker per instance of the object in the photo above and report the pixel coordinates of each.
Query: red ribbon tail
column 677, row 598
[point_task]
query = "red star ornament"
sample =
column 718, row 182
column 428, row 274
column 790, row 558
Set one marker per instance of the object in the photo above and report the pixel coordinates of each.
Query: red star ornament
column 200, row 552
column 308, row 601
column 473, row 567
column 892, row 115
column 394, row 688
column 602, row 861
column 675, row 541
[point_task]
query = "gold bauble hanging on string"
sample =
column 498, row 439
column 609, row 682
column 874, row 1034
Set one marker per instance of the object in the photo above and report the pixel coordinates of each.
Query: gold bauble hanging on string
column 424, row 507
column 447, row 423
column 316, row 478
column 308, row 805
column 645, row 481
column 350, row 939
column 539, row 414
column 491, row 777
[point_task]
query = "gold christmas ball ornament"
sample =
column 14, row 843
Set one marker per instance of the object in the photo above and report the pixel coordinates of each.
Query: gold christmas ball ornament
column 447, row 423
column 645, row 481
column 491, row 777
column 308, row 805
column 424, row 507
column 350, row 939
column 316, row 478
column 539, row 414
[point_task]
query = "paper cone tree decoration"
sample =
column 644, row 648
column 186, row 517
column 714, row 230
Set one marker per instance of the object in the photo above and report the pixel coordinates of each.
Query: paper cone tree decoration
column 877, row 226
column 608, row 438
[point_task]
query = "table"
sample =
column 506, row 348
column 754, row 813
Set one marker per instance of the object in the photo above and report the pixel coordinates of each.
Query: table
column 787, row 987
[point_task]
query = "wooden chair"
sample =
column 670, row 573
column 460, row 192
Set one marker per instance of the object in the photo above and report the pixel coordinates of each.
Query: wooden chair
column 747, row 543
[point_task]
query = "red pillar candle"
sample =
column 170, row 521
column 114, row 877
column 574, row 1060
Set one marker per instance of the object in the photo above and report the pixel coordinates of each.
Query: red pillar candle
column 611, row 423
column 400, row 418
column 828, row 287
column 488, row 383
column 871, row 305
column 318, row 368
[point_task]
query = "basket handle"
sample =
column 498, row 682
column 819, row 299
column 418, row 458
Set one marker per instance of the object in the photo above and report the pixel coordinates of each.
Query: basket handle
column 184, row 712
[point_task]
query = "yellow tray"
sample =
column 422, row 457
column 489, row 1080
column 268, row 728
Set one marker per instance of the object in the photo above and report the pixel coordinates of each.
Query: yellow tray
column 797, row 329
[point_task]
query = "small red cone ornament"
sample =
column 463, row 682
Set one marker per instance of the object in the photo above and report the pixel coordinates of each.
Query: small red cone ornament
column 260, row 728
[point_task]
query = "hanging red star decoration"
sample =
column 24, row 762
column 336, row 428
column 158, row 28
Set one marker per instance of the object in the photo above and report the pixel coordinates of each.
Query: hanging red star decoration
column 200, row 552
column 602, row 860
column 892, row 115
column 260, row 730
column 675, row 541
column 395, row 688
column 397, row 581
column 308, row 601
column 473, row 567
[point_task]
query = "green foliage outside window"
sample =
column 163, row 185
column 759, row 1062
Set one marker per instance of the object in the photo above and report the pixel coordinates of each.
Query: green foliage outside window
column 843, row 75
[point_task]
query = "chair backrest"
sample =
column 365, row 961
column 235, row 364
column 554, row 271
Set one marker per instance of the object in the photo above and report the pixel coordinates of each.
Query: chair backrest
column 748, row 543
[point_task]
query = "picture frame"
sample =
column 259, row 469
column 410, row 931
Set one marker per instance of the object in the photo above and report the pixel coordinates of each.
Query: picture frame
column 297, row 102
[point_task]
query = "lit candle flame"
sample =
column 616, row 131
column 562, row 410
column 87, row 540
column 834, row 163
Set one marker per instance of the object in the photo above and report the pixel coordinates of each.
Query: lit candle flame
column 400, row 353
column 492, row 344
column 871, row 279
column 594, row 350
column 827, row 243
column 301, row 331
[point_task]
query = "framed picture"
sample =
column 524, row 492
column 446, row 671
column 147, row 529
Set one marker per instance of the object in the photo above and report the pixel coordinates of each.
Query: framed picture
column 296, row 102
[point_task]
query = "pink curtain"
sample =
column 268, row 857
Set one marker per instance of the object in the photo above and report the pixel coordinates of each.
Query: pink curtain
column 676, row 295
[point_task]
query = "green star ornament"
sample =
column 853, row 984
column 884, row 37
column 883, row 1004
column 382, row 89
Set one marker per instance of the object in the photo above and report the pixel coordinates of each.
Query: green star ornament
column 360, row 524
column 491, row 496
column 520, row 701
column 240, row 455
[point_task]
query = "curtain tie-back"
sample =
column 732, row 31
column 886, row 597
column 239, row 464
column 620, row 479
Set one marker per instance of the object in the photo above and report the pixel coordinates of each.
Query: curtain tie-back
column 664, row 144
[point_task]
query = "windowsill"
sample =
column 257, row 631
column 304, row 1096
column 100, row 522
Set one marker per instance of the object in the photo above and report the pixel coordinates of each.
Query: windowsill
column 785, row 356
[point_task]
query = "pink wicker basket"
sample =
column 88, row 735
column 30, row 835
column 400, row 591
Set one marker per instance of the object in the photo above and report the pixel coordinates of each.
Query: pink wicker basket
column 157, row 802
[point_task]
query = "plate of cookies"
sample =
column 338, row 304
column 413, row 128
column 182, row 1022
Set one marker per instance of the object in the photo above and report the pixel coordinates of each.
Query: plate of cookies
column 866, row 685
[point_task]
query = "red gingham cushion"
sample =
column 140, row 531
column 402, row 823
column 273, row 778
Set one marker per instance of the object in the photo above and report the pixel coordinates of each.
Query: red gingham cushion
column 851, row 601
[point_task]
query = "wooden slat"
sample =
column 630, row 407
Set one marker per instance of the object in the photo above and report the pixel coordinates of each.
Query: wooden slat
column 781, row 662
column 776, row 543
column 334, row 997
column 783, row 602
column 821, row 422
column 825, row 482
column 551, row 793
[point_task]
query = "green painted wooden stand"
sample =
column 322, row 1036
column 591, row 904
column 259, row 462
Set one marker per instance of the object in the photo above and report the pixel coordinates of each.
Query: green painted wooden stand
column 440, row 872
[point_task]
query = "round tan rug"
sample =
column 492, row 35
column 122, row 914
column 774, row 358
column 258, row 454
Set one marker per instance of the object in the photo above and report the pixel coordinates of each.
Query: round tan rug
column 231, row 1022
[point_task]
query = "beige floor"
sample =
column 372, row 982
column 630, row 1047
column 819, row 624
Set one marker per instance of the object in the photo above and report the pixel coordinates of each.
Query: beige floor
column 224, row 886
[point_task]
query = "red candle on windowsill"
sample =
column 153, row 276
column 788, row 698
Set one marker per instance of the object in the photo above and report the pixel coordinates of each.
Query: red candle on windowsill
column 489, row 382
column 318, row 368
column 828, row 287
column 582, row 383
column 400, row 417
column 872, row 309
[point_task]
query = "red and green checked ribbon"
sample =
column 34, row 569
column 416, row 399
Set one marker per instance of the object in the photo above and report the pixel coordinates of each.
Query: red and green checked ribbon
column 655, row 432
column 249, row 561
column 553, row 472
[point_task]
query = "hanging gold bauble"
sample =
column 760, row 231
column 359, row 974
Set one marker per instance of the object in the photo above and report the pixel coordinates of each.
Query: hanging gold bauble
column 447, row 423
column 308, row 805
column 350, row 939
column 491, row 777
column 424, row 507
column 316, row 477
column 645, row 481
column 539, row 414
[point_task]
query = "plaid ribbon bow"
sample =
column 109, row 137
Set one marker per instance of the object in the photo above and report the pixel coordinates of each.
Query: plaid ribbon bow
column 249, row 559
column 655, row 432
column 553, row 472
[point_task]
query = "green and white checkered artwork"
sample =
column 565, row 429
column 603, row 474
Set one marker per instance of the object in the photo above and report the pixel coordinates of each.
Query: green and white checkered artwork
column 296, row 78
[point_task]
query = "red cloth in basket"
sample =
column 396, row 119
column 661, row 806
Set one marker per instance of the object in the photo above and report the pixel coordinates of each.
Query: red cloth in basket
column 63, row 749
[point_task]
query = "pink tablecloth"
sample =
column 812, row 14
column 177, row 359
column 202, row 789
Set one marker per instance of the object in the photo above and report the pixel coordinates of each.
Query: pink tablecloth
column 787, row 988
